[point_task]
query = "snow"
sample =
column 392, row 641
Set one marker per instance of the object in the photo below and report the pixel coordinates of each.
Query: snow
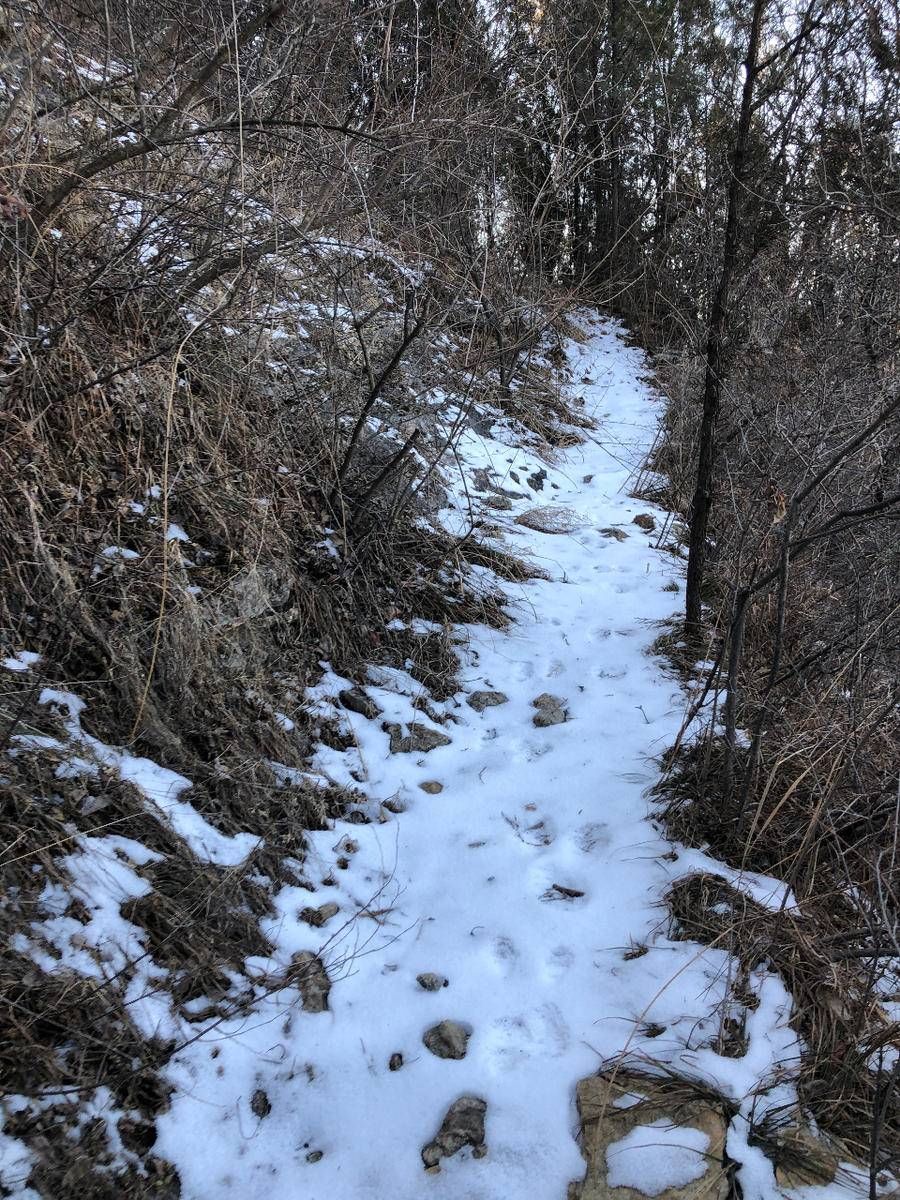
column 160, row 787
column 22, row 660
column 658, row 1156
column 467, row 883
column 524, row 881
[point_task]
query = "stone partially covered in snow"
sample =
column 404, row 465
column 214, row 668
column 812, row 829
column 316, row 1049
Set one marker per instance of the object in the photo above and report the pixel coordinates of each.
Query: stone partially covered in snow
column 463, row 1125
column 482, row 700
column 308, row 972
column 418, row 739
column 319, row 916
column 431, row 982
column 358, row 700
column 551, row 710
column 449, row 1039
column 642, row 1137
column 550, row 520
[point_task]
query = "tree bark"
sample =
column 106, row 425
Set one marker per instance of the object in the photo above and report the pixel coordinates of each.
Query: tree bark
column 718, row 321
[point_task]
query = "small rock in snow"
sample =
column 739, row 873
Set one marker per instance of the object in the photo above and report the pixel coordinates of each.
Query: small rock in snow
column 463, row 1125
column 611, row 532
column 260, row 1105
column 431, row 982
column 419, row 739
column 449, row 1039
column 549, row 520
column 645, row 521
column 308, row 970
column 357, row 700
column 482, row 700
column 395, row 1062
column 551, row 710
column 318, row 916
column 431, row 786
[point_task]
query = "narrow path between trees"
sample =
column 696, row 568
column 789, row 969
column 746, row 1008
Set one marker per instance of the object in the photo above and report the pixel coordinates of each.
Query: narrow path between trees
column 501, row 932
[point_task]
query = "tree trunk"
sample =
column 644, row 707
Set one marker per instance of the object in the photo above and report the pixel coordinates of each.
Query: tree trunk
column 718, row 320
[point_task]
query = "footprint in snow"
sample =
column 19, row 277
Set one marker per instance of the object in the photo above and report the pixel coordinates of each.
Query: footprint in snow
column 592, row 835
column 504, row 954
column 559, row 962
column 541, row 1032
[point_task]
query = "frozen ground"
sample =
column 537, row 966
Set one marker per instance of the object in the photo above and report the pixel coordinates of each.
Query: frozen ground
column 528, row 881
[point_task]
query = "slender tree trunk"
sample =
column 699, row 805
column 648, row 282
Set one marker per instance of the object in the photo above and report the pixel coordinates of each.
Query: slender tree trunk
column 615, row 138
column 718, row 321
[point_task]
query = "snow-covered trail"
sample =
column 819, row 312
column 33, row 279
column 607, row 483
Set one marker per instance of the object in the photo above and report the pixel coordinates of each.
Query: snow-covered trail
column 466, row 882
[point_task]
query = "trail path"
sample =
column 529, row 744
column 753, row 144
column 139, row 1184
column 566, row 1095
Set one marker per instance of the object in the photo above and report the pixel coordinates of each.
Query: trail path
column 524, row 882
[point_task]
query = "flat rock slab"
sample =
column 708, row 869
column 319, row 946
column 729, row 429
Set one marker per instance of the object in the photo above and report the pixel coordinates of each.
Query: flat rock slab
column 551, row 710
column 449, row 1039
column 803, row 1158
column 463, row 1125
column 550, row 520
column 418, row 739
column 613, row 1109
column 482, row 700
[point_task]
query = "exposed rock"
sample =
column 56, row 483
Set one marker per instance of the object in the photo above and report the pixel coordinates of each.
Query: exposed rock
column 308, row 971
column 536, row 481
column 550, row 520
column 419, row 738
column 318, row 916
column 801, row 1158
column 482, row 700
column 611, row 532
column 431, row 786
column 463, row 1125
column 449, row 1039
column 610, row 1107
column 315, row 1156
column 499, row 501
column 358, row 700
column 551, row 710
column 431, row 982
column 646, row 521
column 260, row 1105
column 395, row 1062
